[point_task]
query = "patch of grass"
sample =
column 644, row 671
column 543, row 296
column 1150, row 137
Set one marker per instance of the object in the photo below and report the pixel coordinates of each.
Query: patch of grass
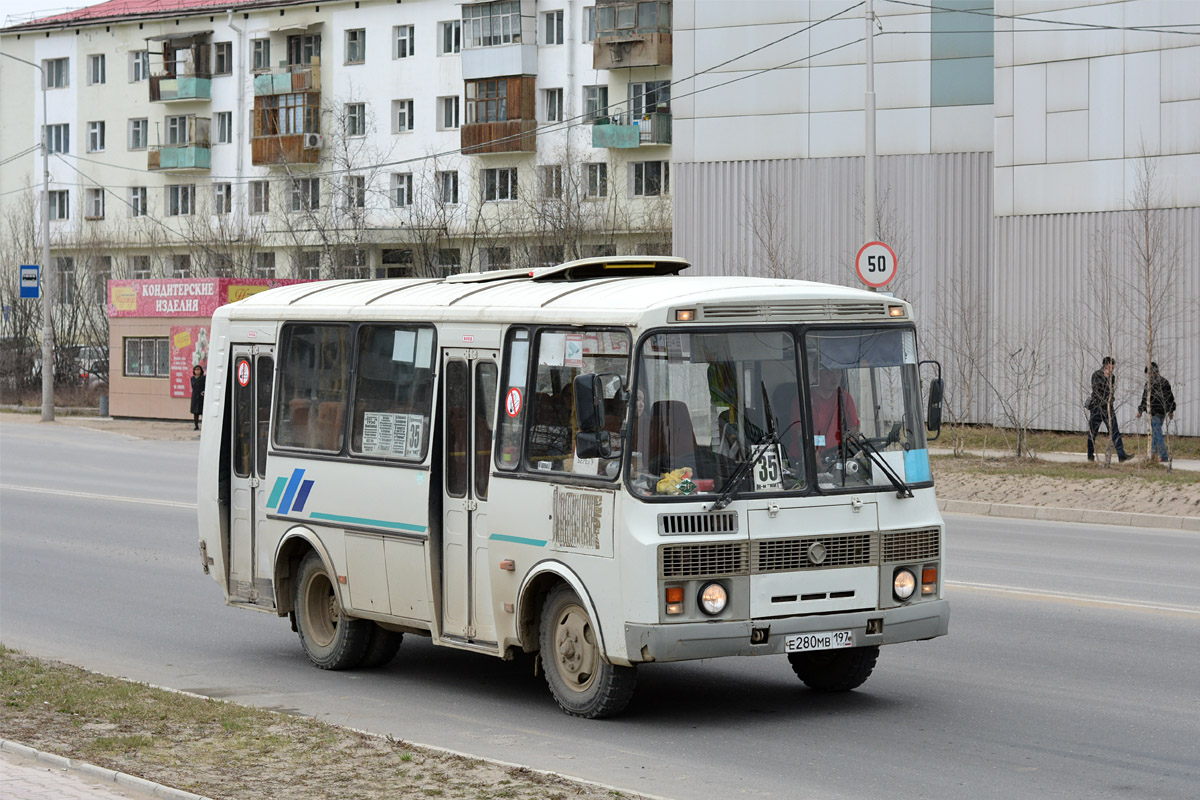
column 1085, row 471
column 979, row 437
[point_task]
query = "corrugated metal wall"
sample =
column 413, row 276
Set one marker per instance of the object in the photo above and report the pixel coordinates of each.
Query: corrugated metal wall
column 1005, row 304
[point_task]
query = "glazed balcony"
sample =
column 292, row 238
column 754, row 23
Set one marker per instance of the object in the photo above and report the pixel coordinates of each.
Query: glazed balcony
column 632, row 33
column 289, row 79
column 621, row 132
column 188, row 148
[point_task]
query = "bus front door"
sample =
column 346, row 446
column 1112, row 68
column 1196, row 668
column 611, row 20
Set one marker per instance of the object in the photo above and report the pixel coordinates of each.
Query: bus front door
column 469, row 401
column 251, row 371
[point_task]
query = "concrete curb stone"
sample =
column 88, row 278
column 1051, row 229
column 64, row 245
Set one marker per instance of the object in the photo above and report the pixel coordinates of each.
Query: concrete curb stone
column 1087, row 515
column 100, row 773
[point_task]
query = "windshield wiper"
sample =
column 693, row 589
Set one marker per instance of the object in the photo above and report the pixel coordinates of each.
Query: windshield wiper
column 864, row 444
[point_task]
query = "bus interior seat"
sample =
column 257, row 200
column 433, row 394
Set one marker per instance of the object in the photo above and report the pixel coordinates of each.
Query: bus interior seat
column 330, row 416
column 672, row 438
column 300, row 420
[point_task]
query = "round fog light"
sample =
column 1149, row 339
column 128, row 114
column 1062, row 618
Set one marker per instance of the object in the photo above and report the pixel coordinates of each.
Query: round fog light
column 713, row 599
column 904, row 584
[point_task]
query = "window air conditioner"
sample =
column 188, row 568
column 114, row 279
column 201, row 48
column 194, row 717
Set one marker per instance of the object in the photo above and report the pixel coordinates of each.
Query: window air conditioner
column 312, row 141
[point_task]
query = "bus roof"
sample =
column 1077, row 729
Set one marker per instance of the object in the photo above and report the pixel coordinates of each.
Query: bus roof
column 581, row 292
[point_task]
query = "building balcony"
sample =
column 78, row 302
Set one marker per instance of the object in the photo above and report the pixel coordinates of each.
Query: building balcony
column 286, row 149
column 172, row 88
column 180, row 157
column 632, row 50
column 621, row 132
column 510, row 136
column 289, row 79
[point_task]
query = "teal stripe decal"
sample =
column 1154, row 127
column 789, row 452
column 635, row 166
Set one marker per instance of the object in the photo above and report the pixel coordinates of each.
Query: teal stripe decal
column 504, row 537
column 377, row 523
column 276, row 492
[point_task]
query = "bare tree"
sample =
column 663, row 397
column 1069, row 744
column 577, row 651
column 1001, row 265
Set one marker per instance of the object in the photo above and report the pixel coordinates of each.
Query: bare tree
column 961, row 332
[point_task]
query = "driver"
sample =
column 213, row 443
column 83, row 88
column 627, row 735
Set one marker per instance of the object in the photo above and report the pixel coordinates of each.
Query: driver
column 835, row 417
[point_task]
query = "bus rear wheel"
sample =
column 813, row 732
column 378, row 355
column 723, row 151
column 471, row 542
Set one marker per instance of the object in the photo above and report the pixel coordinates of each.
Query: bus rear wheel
column 582, row 682
column 834, row 670
column 331, row 640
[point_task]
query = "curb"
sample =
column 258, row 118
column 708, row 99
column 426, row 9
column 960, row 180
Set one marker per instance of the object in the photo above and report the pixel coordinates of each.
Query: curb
column 1050, row 514
column 100, row 773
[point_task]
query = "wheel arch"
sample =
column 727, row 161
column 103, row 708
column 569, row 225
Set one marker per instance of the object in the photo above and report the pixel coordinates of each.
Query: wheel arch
column 293, row 547
column 537, row 584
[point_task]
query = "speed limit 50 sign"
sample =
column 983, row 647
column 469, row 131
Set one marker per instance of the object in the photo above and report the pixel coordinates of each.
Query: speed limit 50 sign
column 875, row 264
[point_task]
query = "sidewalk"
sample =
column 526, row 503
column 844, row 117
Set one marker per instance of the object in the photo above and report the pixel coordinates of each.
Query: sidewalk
column 28, row 774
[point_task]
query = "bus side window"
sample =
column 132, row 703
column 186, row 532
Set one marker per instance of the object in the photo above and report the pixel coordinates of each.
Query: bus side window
column 314, row 367
column 513, row 401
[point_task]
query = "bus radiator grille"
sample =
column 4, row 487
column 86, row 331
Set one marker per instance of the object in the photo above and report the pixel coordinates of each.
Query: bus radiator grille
column 813, row 552
column 685, row 561
column 922, row 545
column 683, row 524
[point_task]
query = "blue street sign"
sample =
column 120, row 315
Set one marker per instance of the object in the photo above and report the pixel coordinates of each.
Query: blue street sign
column 29, row 281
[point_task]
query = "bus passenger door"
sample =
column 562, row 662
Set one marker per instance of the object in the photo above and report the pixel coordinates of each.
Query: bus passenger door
column 251, row 370
column 469, row 404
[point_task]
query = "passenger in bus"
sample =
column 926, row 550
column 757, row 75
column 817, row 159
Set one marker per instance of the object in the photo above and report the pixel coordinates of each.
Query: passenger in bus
column 835, row 417
column 735, row 432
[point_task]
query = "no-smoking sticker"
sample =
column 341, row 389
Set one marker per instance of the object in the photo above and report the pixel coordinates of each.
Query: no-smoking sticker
column 243, row 373
column 512, row 402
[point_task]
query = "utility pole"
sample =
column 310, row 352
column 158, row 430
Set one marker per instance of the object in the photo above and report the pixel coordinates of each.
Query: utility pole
column 49, row 273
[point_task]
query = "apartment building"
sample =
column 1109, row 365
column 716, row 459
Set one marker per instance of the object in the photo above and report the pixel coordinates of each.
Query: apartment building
column 363, row 138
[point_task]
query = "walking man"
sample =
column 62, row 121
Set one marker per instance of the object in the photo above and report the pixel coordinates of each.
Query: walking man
column 1101, row 410
column 1160, row 400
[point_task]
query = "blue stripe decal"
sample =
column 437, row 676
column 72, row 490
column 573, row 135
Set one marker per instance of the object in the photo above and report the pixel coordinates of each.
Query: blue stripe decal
column 302, row 496
column 285, row 505
column 276, row 491
column 504, row 537
column 377, row 523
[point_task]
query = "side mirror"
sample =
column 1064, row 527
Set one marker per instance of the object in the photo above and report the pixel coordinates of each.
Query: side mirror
column 934, row 416
column 593, row 444
column 589, row 403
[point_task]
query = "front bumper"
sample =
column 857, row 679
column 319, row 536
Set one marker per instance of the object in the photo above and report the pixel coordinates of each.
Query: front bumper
column 692, row 640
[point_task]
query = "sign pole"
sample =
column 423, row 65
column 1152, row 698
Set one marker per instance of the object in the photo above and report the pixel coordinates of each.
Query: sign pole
column 869, row 113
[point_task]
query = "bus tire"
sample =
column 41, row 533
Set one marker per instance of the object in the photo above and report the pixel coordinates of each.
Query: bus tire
column 382, row 645
column 331, row 639
column 834, row 670
column 582, row 682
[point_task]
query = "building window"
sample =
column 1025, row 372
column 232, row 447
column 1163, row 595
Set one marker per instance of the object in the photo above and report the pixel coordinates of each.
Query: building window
column 58, row 138
column 497, row 257
column 139, row 133
column 356, row 119
column 589, row 24
column 553, row 27
column 260, row 54
column 177, row 130
column 595, row 180
column 487, row 100
column 402, row 115
column 66, row 280
column 599, row 250
column 181, row 199
column 60, row 205
column 287, row 114
column 448, row 187
column 94, row 204
column 451, row 38
column 448, row 118
column 499, row 183
column 550, row 181
column 137, row 201
column 307, row 264
column 139, row 65
column 95, row 139
column 595, row 102
column 406, row 41
column 264, row 265
column 651, row 178
column 96, row 71
column 222, row 198
column 449, row 260
column 100, row 271
column 139, row 267
column 305, row 194
column 402, row 189
column 303, row 48
column 223, row 58
column 649, row 97
column 354, row 191
column 490, row 24
column 356, row 46
column 624, row 18
column 181, row 265
column 224, row 127
column 147, row 357
column 57, row 73
column 260, row 197
column 554, row 104
column 396, row 264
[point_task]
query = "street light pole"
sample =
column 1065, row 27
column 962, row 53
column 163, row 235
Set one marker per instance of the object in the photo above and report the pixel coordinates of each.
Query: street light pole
column 49, row 273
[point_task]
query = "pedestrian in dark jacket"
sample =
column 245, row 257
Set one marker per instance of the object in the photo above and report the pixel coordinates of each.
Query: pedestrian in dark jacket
column 1160, row 400
column 1101, row 409
column 197, row 406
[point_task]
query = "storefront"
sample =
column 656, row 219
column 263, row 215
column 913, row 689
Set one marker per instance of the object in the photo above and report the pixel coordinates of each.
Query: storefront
column 157, row 332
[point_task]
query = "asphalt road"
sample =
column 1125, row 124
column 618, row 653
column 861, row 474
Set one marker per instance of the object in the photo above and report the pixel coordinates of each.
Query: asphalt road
column 1070, row 669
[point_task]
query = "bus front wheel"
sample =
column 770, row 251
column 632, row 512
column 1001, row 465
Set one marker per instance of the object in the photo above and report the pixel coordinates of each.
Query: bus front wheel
column 582, row 682
column 331, row 640
column 834, row 670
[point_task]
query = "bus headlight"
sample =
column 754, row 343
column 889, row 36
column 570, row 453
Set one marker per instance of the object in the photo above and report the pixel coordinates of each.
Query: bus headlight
column 713, row 599
column 904, row 583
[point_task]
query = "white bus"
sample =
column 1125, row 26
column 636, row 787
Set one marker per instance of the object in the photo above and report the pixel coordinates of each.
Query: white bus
column 605, row 463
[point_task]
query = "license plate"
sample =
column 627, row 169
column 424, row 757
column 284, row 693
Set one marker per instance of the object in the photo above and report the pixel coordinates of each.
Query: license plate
column 826, row 640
